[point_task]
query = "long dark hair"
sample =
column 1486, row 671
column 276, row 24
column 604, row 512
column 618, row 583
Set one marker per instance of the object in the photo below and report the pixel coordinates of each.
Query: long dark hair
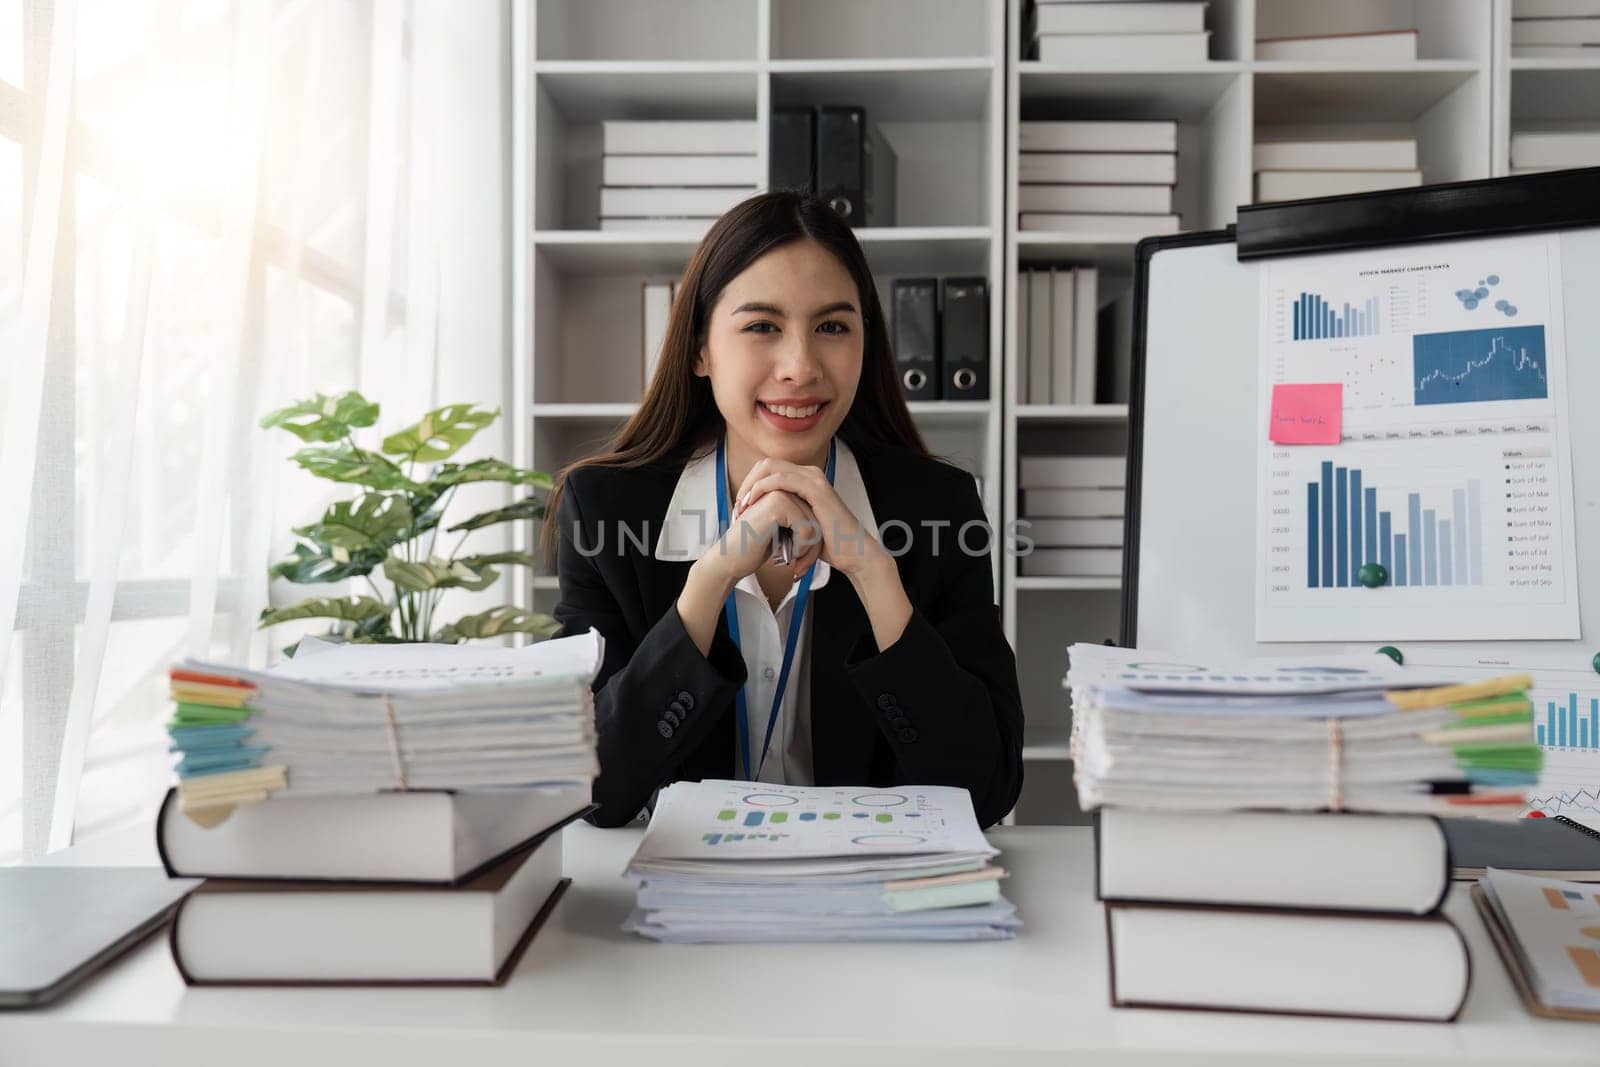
column 679, row 415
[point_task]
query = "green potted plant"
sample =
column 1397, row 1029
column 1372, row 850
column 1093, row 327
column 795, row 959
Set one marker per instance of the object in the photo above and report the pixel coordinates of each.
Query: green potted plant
column 393, row 524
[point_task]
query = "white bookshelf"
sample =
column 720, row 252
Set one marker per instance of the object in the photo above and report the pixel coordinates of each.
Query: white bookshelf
column 946, row 81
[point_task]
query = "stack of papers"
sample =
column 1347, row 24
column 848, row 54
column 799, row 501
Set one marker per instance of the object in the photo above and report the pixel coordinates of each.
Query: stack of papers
column 745, row 862
column 1163, row 732
column 349, row 719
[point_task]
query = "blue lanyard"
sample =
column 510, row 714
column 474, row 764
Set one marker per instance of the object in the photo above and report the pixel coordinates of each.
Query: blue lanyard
column 732, row 611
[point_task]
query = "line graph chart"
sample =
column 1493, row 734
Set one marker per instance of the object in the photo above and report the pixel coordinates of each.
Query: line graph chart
column 1474, row 366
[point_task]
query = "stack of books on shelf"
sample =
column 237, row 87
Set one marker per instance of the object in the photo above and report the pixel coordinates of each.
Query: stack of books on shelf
column 736, row 862
column 672, row 175
column 1058, row 314
column 1555, row 28
column 1142, row 33
column 1106, row 179
column 1073, row 508
column 1378, row 46
column 375, row 813
column 1268, row 838
column 1300, row 169
column 1556, row 149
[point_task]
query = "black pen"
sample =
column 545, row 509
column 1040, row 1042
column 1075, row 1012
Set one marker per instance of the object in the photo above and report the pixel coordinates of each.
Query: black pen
column 784, row 546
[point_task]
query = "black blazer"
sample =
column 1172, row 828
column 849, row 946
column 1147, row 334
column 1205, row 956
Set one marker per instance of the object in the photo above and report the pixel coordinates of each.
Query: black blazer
column 940, row 707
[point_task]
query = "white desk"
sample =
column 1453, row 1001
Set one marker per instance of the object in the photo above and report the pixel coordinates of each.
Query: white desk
column 587, row 993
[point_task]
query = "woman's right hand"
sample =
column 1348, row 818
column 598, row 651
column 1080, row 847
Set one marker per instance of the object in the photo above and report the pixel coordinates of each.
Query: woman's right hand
column 743, row 548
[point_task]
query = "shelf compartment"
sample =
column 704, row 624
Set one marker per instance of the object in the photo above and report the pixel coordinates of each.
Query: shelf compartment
column 850, row 29
column 1092, row 413
column 1364, row 95
column 1446, row 29
column 642, row 29
column 1053, row 584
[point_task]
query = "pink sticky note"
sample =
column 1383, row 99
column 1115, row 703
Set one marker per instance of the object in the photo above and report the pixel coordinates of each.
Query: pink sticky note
column 1306, row 414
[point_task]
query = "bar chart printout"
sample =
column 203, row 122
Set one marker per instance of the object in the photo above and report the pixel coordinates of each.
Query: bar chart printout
column 1435, row 539
column 1565, row 724
column 1317, row 319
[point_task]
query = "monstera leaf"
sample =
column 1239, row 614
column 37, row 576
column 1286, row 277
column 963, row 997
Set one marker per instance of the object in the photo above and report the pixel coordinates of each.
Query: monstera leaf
column 343, row 463
column 345, row 609
column 370, row 523
column 324, row 418
column 316, row 563
column 435, row 573
column 496, row 621
column 486, row 470
column 440, row 433
column 529, row 508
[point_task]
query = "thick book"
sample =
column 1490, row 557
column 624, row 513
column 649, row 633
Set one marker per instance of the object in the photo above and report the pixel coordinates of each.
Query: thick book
column 791, row 149
column 1083, row 135
column 1042, row 356
column 1555, row 148
column 1072, row 503
column 624, row 137
column 348, row 933
column 1073, row 563
column 916, row 337
column 1304, row 184
column 1098, row 168
column 1554, row 847
column 1555, row 31
column 655, row 310
column 1387, row 46
column 1144, row 17
column 1096, row 199
column 1063, row 338
column 1129, row 227
column 1384, row 153
column 1086, row 301
column 964, row 338
column 1074, row 533
column 1072, row 472
column 1287, row 962
column 426, row 836
column 1317, row 860
column 664, row 170
column 1124, row 49
column 664, row 202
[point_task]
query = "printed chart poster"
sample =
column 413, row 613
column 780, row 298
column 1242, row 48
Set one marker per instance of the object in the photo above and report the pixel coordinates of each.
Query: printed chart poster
column 1453, row 469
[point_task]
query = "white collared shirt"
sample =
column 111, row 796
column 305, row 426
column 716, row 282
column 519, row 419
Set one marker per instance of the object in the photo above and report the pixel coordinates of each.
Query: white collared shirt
column 689, row 529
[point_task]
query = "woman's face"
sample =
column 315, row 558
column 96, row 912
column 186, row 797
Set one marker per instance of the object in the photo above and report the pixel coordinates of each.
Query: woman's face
column 783, row 352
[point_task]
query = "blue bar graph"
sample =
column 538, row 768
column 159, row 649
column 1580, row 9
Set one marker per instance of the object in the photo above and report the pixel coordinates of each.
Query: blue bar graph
column 1346, row 527
column 1316, row 319
column 1563, row 727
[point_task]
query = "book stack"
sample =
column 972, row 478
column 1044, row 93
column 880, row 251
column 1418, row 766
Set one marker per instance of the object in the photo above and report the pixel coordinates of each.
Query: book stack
column 1111, row 179
column 1267, row 831
column 1380, row 46
column 668, row 175
column 1142, row 33
column 1073, row 506
column 1555, row 28
column 1537, row 150
column 1300, row 169
column 410, row 834
column 1058, row 314
column 737, row 862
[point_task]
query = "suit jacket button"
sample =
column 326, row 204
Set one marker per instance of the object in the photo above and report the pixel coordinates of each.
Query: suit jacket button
column 664, row 728
column 887, row 701
column 673, row 717
column 908, row 735
column 680, row 708
column 686, row 699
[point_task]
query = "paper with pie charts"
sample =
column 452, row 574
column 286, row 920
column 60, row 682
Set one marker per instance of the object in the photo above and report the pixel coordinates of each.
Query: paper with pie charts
column 743, row 821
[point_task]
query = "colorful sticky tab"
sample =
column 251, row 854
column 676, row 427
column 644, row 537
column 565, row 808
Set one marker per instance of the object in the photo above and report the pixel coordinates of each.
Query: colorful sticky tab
column 1306, row 414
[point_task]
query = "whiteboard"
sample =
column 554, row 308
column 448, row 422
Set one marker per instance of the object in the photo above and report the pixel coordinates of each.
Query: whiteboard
column 1192, row 537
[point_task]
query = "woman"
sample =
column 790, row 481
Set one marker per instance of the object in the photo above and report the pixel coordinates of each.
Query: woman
column 859, row 662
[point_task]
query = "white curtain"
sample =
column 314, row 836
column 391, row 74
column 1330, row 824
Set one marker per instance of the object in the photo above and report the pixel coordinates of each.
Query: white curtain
column 208, row 209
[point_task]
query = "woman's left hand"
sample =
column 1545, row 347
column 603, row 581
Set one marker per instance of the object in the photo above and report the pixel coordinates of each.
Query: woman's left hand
column 846, row 546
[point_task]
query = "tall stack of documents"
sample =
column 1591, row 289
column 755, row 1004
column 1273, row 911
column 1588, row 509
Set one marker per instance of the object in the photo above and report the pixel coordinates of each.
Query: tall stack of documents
column 350, row 719
column 1144, row 33
column 1297, row 169
column 669, row 175
column 1258, row 814
column 375, row 813
column 748, row 862
column 1073, row 509
column 1111, row 179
